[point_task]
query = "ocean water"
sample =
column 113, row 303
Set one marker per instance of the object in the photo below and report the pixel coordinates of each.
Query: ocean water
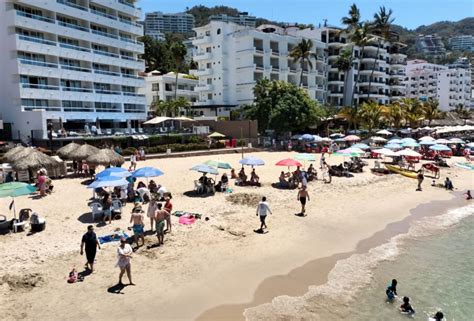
column 434, row 266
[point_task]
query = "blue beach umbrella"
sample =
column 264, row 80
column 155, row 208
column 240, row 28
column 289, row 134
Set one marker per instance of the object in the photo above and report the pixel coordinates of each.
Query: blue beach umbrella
column 147, row 172
column 410, row 144
column 395, row 141
column 113, row 171
column 108, row 181
column 206, row 169
column 251, row 161
column 440, row 148
column 393, row 146
column 361, row 146
column 307, row 137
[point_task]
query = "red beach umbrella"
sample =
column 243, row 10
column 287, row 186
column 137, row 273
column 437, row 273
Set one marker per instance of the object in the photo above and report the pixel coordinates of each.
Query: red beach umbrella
column 288, row 162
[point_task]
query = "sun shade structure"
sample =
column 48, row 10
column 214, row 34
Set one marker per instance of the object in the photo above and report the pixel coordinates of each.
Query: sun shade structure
column 288, row 162
column 8, row 156
column 113, row 171
column 34, row 161
column 410, row 144
column 393, row 146
column 218, row 164
column 378, row 139
column 442, row 141
column 408, row 152
column 427, row 142
column 64, row 151
column 426, row 139
column 147, row 172
column 15, row 189
column 307, row 137
column 106, row 157
column 384, row 132
column 440, row 148
column 351, row 151
column 108, row 181
column 157, row 120
column 83, row 152
column 216, row 135
column 396, row 141
column 457, row 140
column 384, row 152
column 351, row 138
column 251, row 161
column 206, row 169
column 361, row 146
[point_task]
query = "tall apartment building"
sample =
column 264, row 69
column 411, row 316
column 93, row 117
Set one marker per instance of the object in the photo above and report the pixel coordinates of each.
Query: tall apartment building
column 450, row 85
column 232, row 58
column 242, row 19
column 430, row 45
column 162, row 87
column 159, row 23
column 462, row 43
column 70, row 62
column 388, row 74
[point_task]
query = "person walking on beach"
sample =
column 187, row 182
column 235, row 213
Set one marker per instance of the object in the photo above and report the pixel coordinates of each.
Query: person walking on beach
column 90, row 242
column 322, row 161
column 262, row 210
column 160, row 218
column 302, row 196
column 420, row 177
column 151, row 212
column 124, row 253
column 138, row 225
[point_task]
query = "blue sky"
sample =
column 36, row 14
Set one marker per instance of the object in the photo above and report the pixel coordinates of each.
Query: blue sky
column 409, row 13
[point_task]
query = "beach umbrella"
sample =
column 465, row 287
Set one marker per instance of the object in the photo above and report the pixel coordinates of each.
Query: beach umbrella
column 307, row 137
column 440, row 148
column 113, row 171
column 384, row 132
column 147, row 172
column 442, row 141
column 252, row 161
column 15, row 189
column 426, row 139
column 12, row 152
column 216, row 135
column 203, row 168
column 408, row 152
column 339, row 140
column 34, row 160
column 317, row 138
column 470, row 144
column 108, row 181
column 64, row 151
column 378, row 139
column 218, row 164
column 105, row 157
column 408, row 139
column 457, row 140
column 427, row 142
column 410, row 144
column 384, row 152
column 361, row 146
column 395, row 141
column 83, row 152
column 326, row 139
column 351, row 151
column 305, row 157
column 351, row 138
column 288, row 162
column 393, row 146
column 336, row 135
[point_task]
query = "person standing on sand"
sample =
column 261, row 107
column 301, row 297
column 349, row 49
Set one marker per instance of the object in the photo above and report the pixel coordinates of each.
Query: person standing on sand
column 262, row 210
column 160, row 218
column 151, row 212
column 322, row 161
column 420, row 177
column 89, row 240
column 124, row 253
column 138, row 225
column 168, row 207
column 302, row 196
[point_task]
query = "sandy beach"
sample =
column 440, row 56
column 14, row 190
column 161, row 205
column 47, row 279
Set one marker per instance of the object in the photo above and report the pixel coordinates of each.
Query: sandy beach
column 210, row 270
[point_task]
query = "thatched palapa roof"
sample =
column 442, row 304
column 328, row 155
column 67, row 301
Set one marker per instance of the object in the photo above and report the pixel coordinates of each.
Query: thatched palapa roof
column 83, row 152
column 106, row 157
column 34, row 160
column 64, row 151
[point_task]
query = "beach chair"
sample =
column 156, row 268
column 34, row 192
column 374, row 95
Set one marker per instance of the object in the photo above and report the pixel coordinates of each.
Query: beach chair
column 198, row 188
column 116, row 207
column 140, row 130
column 377, row 165
column 23, row 220
column 96, row 209
column 108, row 131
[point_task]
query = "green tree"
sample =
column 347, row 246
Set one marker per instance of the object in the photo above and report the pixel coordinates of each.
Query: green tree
column 351, row 115
column 328, row 113
column 395, row 114
column 371, row 115
column 413, row 111
column 382, row 28
column 463, row 112
column 178, row 52
column 344, row 63
column 431, row 110
column 172, row 107
column 302, row 54
column 283, row 107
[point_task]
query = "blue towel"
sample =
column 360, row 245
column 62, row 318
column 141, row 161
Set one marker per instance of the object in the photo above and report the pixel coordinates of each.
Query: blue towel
column 112, row 237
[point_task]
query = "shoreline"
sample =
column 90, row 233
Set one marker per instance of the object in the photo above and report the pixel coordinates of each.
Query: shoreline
column 299, row 279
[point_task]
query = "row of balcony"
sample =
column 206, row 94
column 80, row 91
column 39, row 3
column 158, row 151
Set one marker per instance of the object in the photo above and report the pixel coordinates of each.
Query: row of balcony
column 88, row 108
column 81, row 89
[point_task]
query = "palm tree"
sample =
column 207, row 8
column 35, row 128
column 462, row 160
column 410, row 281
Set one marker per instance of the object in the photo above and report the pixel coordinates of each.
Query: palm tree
column 180, row 104
column 413, row 110
column 178, row 52
column 344, row 64
column 351, row 23
column 431, row 110
column 302, row 53
column 371, row 114
column 328, row 112
column 351, row 115
column 463, row 112
column 382, row 26
column 395, row 114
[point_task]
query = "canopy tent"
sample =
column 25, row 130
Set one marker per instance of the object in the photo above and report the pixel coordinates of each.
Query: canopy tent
column 157, row 120
column 216, row 135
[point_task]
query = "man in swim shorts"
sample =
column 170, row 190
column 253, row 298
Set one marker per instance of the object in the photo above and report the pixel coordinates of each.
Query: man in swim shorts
column 160, row 218
column 138, row 224
column 302, row 196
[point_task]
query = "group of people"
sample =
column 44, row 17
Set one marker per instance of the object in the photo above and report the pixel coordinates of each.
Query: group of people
column 293, row 180
column 43, row 183
column 84, row 169
column 242, row 178
column 139, row 155
column 405, row 307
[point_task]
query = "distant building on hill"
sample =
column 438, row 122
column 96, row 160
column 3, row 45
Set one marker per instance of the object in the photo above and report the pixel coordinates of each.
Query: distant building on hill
column 430, row 45
column 242, row 19
column 158, row 23
column 462, row 43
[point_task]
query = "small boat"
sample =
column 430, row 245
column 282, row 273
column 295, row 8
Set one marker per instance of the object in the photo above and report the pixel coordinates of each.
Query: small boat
column 401, row 171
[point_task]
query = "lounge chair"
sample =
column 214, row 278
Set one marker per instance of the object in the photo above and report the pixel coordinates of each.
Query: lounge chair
column 96, row 209
column 23, row 220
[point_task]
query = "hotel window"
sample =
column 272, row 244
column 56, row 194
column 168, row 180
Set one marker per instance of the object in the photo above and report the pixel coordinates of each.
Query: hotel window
column 28, row 10
column 155, row 87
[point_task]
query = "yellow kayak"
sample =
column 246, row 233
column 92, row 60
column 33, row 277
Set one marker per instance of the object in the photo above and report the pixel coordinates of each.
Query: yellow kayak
column 401, row 171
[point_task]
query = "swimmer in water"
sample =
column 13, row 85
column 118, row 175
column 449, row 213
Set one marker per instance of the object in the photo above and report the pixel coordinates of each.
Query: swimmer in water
column 391, row 291
column 439, row 316
column 406, row 306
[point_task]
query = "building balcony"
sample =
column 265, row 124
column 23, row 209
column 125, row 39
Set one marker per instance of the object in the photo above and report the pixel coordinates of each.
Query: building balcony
column 206, row 87
column 335, row 82
column 202, row 40
column 201, row 72
column 202, row 56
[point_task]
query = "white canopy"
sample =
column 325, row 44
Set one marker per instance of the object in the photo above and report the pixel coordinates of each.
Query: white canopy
column 385, row 152
column 426, row 139
column 378, row 139
column 156, row 120
column 408, row 152
column 384, row 132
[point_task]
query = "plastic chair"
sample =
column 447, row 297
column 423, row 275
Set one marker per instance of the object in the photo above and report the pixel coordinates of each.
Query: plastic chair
column 116, row 207
column 377, row 165
column 198, row 187
column 96, row 209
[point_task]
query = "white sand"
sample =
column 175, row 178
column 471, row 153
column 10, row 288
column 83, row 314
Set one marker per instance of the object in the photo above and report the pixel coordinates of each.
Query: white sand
column 220, row 261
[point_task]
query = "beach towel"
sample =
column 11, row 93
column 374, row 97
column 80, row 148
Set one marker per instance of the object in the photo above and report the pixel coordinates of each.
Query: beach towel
column 187, row 219
column 181, row 213
column 112, row 237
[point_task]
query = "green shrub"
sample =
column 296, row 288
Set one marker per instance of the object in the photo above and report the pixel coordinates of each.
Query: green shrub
column 129, row 151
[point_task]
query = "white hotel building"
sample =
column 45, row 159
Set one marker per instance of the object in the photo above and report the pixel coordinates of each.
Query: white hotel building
column 70, row 61
column 232, row 58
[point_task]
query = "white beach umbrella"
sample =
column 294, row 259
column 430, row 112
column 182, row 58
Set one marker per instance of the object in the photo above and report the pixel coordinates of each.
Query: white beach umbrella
column 426, row 139
column 378, row 139
column 384, row 152
column 408, row 152
column 442, row 141
column 384, row 132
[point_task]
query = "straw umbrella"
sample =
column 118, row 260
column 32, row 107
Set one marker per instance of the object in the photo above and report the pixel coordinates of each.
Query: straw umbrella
column 34, row 161
column 83, row 152
column 105, row 157
column 64, row 151
column 17, row 153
